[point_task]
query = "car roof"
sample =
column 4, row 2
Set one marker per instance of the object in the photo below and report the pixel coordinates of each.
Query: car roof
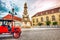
column 6, row 20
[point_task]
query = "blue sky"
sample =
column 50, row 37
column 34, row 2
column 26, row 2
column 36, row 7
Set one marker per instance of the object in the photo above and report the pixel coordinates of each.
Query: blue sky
column 34, row 6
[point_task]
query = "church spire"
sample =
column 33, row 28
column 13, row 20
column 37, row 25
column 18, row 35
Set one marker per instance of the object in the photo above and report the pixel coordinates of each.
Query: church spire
column 26, row 19
column 25, row 5
column 25, row 9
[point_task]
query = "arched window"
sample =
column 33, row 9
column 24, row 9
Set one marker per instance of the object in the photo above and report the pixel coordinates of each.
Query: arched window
column 47, row 18
column 41, row 19
column 33, row 24
column 37, row 20
column 33, row 20
column 53, row 18
column 59, row 17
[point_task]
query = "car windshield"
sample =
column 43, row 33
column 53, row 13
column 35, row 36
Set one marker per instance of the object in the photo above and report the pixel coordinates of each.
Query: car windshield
column 5, row 22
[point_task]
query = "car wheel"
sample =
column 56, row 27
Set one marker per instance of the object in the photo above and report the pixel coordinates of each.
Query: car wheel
column 16, row 35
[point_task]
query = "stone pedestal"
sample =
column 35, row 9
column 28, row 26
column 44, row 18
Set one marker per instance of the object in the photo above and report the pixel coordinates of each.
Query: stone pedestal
column 26, row 25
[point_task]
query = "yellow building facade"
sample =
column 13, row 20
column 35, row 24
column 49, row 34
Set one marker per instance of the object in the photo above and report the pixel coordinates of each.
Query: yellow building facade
column 52, row 15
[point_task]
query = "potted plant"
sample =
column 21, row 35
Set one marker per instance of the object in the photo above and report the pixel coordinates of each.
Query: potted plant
column 55, row 23
column 48, row 22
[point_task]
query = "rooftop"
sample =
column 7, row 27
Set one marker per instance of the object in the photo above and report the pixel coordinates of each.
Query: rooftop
column 9, row 16
column 47, row 12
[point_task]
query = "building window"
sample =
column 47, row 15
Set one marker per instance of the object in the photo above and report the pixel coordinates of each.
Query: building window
column 47, row 18
column 53, row 18
column 59, row 10
column 41, row 13
column 36, row 15
column 41, row 19
column 37, row 20
column 52, row 11
column 59, row 17
column 33, row 20
column 46, row 12
column 33, row 24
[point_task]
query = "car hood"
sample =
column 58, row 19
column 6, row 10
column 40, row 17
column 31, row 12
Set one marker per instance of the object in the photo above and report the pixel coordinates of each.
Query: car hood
column 3, row 29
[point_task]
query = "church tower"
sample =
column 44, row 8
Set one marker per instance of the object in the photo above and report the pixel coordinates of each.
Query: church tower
column 26, row 21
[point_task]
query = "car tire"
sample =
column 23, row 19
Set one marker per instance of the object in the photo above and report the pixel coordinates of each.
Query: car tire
column 16, row 35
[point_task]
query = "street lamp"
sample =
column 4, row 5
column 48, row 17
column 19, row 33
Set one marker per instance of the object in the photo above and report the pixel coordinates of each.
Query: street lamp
column 13, row 13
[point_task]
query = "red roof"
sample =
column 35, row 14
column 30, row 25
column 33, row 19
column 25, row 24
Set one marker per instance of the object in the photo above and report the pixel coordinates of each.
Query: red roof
column 48, row 11
column 9, row 16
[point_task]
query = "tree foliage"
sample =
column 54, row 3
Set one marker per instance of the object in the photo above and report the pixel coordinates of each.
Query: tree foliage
column 40, row 24
column 55, row 23
column 48, row 22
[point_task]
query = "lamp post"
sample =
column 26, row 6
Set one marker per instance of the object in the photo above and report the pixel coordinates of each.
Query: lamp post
column 13, row 13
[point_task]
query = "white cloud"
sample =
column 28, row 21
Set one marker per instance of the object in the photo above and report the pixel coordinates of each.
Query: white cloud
column 34, row 6
column 3, row 14
column 41, row 5
column 19, row 3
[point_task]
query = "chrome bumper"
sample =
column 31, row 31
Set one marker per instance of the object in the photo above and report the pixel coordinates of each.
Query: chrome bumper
column 5, row 35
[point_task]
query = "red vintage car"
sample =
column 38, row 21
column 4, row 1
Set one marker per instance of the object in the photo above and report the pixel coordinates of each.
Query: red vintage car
column 6, row 27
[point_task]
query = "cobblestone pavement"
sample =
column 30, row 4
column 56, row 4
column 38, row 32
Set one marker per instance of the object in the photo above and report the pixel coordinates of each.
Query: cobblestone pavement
column 45, row 34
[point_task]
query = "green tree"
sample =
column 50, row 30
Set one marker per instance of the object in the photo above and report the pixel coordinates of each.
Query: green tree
column 55, row 23
column 48, row 22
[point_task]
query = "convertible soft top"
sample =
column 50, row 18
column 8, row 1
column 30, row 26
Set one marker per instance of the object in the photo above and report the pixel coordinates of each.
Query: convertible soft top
column 6, row 20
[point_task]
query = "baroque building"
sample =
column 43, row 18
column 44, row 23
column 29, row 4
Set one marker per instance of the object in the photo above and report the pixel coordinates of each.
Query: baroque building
column 26, row 23
column 52, row 15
